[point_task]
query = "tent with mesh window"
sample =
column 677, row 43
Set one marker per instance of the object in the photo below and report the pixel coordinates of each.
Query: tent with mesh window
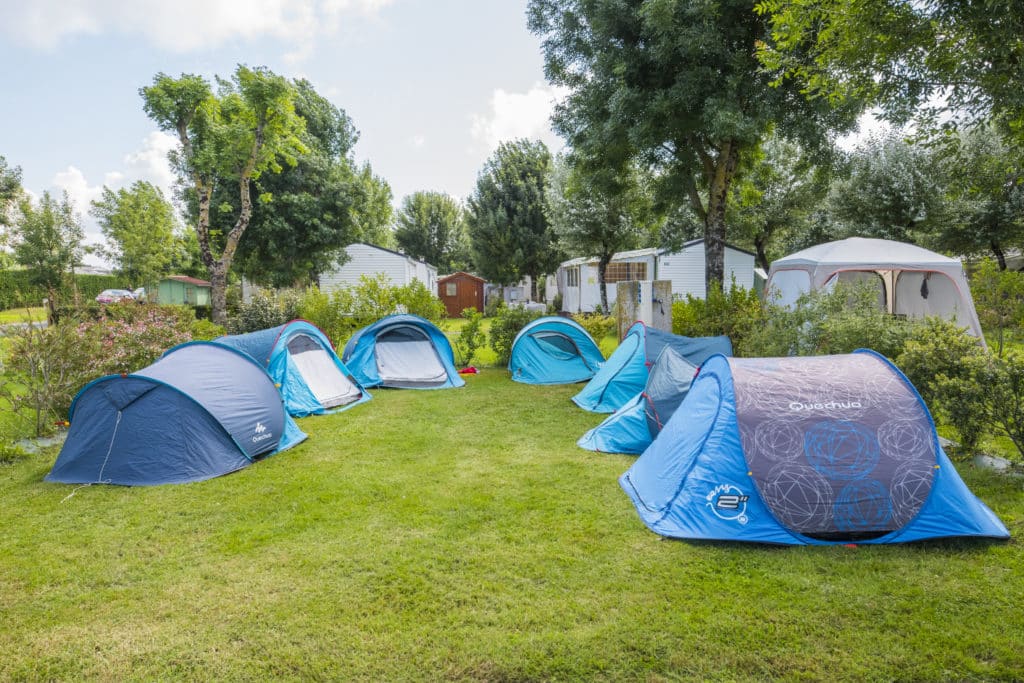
column 302, row 362
column 631, row 428
column 402, row 351
column 554, row 350
column 202, row 410
column 625, row 373
column 827, row 449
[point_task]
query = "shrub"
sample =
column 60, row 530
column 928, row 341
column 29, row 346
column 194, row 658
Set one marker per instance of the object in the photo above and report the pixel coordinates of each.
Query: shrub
column 840, row 321
column 471, row 337
column 326, row 313
column 264, row 310
column 505, row 326
column 205, row 330
column 1002, row 381
column 937, row 347
column 999, row 300
column 735, row 313
column 598, row 326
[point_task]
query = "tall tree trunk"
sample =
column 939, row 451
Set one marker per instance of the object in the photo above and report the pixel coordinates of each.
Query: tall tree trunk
column 218, row 293
column 723, row 171
column 602, row 267
column 1000, row 255
column 762, row 256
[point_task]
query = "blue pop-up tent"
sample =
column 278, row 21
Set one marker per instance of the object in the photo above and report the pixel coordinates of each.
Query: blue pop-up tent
column 631, row 428
column 828, row 449
column 301, row 360
column 625, row 373
column 201, row 411
column 402, row 351
column 554, row 350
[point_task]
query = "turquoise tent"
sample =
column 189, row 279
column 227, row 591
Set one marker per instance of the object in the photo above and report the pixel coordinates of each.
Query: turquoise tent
column 554, row 350
column 302, row 362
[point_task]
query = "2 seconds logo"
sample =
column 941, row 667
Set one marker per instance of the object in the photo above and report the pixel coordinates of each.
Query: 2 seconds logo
column 729, row 503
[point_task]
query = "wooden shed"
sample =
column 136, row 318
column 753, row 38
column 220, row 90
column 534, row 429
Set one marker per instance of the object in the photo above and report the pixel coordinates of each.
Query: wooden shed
column 181, row 289
column 460, row 291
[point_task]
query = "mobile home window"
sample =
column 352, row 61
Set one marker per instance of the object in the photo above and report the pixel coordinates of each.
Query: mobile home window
column 572, row 277
column 625, row 272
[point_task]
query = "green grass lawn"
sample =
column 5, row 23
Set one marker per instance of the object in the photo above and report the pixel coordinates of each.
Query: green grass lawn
column 461, row 534
column 20, row 315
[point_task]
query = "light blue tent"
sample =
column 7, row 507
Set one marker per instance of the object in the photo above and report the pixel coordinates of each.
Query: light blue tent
column 631, row 428
column 827, row 449
column 625, row 373
column 554, row 350
column 301, row 360
column 201, row 411
column 402, row 351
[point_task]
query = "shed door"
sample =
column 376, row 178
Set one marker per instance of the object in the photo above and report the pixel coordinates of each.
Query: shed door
column 322, row 375
column 406, row 358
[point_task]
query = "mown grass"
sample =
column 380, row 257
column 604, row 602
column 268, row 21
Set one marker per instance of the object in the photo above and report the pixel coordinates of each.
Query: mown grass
column 21, row 315
column 462, row 535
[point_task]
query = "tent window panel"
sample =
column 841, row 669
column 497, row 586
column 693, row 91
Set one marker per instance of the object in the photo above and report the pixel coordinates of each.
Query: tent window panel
column 920, row 294
column 557, row 345
column 625, row 272
column 786, row 286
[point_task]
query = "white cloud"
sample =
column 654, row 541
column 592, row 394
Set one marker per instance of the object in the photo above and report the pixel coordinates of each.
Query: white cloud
column 181, row 25
column 150, row 162
column 518, row 115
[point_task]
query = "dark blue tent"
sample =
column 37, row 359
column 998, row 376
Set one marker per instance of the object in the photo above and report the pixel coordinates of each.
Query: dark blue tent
column 828, row 449
column 554, row 350
column 201, row 411
column 302, row 362
column 625, row 373
column 402, row 351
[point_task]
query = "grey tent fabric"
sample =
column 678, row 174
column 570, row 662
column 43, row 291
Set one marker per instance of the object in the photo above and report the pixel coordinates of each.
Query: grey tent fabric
column 329, row 386
column 667, row 385
column 406, row 358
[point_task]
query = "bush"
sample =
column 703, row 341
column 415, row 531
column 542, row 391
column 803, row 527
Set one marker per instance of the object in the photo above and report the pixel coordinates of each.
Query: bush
column 505, row 326
column 840, row 321
column 999, row 300
column 264, row 310
column 10, row 454
column 205, row 330
column 735, row 313
column 598, row 326
column 471, row 337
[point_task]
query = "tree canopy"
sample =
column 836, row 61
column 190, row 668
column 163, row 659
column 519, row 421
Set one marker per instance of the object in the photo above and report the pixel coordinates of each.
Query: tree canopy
column 141, row 231
column 508, row 229
column 675, row 84
column 248, row 128
column 10, row 190
column 430, row 227
column 47, row 239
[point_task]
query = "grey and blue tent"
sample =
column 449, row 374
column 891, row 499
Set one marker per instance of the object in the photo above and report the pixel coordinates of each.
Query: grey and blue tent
column 301, row 360
column 554, row 350
column 631, row 428
column 827, row 449
column 402, row 351
column 625, row 373
column 200, row 411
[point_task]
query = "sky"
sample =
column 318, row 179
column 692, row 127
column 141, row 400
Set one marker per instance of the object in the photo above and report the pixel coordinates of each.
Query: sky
column 432, row 86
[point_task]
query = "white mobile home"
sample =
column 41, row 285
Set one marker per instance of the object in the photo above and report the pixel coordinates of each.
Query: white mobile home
column 577, row 278
column 367, row 259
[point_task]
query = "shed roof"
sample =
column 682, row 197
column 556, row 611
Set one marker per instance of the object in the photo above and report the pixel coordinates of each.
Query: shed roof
column 461, row 273
column 188, row 280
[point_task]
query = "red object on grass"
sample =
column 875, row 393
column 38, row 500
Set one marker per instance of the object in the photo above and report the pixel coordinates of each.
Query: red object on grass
column 468, row 371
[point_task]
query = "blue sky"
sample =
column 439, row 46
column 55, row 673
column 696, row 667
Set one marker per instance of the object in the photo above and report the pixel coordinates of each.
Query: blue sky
column 432, row 86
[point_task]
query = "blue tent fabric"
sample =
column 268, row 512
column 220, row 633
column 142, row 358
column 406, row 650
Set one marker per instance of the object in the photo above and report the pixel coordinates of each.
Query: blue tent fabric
column 631, row 428
column 554, row 350
column 402, row 351
column 625, row 373
column 795, row 451
column 327, row 387
column 201, row 411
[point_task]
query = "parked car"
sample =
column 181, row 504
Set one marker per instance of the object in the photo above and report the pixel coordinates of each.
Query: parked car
column 113, row 296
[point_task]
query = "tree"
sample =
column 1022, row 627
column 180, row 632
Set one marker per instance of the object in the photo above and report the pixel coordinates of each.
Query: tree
column 775, row 197
column 308, row 212
column 675, row 84
column 47, row 240
column 140, row 227
column 10, row 191
column 508, row 230
column 248, row 128
column 373, row 221
column 986, row 190
column 596, row 214
column 892, row 191
column 908, row 57
column 430, row 227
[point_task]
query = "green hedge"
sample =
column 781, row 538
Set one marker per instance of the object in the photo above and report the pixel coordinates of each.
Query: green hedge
column 17, row 290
